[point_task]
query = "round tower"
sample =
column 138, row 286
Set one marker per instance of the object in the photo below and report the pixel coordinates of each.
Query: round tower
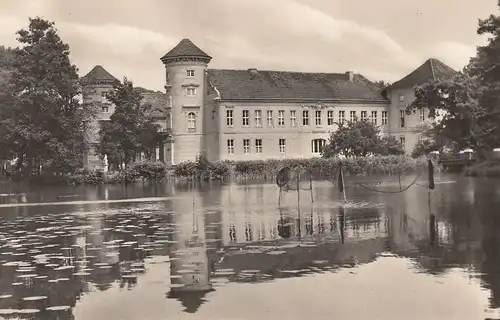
column 185, row 67
column 95, row 85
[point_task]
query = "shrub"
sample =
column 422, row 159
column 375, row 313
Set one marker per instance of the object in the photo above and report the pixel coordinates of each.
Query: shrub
column 86, row 178
column 149, row 170
column 203, row 169
column 320, row 168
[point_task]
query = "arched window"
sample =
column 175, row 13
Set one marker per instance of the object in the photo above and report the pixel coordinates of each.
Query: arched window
column 191, row 122
column 317, row 146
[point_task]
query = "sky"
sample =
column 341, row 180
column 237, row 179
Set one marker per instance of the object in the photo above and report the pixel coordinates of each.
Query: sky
column 383, row 39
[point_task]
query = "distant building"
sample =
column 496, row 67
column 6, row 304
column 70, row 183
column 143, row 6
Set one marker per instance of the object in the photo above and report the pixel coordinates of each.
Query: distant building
column 254, row 114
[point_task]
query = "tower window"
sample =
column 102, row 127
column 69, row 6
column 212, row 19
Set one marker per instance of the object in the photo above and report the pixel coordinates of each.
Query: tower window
column 190, row 73
column 191, row 91
column 105, row 109
column 191, row 122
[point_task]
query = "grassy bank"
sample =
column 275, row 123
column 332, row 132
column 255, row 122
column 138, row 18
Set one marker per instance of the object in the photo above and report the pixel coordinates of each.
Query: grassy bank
column 203, row 170
column 490, row 169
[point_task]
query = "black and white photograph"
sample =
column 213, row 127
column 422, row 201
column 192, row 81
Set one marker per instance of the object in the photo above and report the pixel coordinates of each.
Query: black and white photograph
column 249, row 160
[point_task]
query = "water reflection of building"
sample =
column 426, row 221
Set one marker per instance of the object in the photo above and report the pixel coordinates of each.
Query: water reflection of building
column 189, row 263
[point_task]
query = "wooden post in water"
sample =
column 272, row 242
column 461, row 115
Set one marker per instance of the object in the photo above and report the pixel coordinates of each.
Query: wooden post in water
column 432, row 217
column 341, row 183
column 399, row 179
column 298, row 203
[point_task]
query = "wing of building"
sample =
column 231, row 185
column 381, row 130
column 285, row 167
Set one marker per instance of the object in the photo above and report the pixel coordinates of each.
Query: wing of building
column 260, row 114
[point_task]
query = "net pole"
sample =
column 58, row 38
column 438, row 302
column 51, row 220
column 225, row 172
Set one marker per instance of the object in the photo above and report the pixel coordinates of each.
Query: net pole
column 298, row 203
column 343, row 184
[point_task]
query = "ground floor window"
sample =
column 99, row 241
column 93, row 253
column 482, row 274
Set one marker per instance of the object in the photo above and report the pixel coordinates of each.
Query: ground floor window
column 317, row 145
column 282, row 145
column 230, row 146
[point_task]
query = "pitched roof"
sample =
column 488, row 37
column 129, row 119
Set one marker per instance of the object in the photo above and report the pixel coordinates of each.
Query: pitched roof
column 99, row 75
column 158, row 102
column 432, row 69
column 185, row 49
column 257, row 84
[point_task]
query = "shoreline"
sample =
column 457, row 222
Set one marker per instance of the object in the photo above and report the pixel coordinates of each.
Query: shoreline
column 240, row 171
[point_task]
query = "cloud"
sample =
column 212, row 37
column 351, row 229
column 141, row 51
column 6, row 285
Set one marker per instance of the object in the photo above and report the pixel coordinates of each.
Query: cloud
column 118, row 39
column 277, row 34
column 292, row 25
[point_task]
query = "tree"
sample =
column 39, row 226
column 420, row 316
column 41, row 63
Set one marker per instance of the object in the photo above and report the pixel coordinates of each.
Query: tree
column 360, row 138
column 6, row 67
column 43, row 124
column 383, row 87
column 430, row 140
column 131, row 129
column 470, row 101
column 389, row 146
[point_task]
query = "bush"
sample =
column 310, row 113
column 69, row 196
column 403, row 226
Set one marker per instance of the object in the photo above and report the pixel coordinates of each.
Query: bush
column 203, row 169
column 86, row 178
column 320, row 168
column 146, row 170
column 149, row 170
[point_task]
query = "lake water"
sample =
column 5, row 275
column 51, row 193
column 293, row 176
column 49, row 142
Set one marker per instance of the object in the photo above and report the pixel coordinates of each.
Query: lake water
column 231, row 252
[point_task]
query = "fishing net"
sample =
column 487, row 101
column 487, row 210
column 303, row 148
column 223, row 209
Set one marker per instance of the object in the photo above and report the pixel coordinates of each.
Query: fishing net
column 293, row 179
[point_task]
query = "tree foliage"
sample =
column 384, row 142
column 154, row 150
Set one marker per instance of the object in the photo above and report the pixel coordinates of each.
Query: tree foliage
column 469, row 101
column 360, row 138
column 430, row 140
column 42, row 115
column 131, row 129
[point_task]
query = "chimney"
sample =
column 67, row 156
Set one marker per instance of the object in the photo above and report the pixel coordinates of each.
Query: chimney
column 350, row 76
column 253, row 71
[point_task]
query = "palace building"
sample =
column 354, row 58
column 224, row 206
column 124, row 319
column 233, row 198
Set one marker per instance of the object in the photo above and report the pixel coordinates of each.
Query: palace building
column 259, row 114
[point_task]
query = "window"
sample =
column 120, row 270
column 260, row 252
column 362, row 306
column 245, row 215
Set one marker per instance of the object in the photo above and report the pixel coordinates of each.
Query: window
column 401, row 98
column 401, row 118
column 293, row 118
column 422, row 114
column 191, row 122
column 352, row 116
column 190, row 73
column 258, row 145
column 317, row 145
column 230, row 146
column 281, row 118
column 317, row 115
column 269, row 118
column 191, row 91
column 364, row 115
column 105, row 109
column 329, row 116
column 402, row 141
column 169, row 120
column 341, row 117
column 384, row 118
column 374, row 117
column 258, row 118
column 229, row 118
column 305, row 118
column 246, row 118
column 281, row 144
column 246, row 146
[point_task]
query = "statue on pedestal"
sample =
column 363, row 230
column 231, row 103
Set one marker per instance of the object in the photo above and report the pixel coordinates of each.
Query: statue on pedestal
column 105, row 162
